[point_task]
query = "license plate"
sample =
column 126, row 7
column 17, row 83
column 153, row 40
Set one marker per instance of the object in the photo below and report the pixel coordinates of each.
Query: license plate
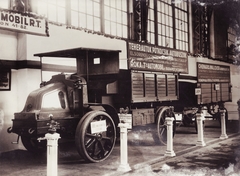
column 98, row 126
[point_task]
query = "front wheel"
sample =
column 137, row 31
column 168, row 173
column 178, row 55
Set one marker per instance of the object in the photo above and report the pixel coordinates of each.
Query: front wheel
column 33, row 145
column 95, row 136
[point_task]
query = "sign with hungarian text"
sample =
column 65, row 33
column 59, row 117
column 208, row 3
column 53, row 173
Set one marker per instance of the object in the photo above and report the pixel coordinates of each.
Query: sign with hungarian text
column 210, row 73
column 154, row 58
column 25, row 23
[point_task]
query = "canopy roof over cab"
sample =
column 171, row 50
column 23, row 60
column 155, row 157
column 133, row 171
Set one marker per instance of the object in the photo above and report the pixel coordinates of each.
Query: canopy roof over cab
column 90, row 61
column 77, row 52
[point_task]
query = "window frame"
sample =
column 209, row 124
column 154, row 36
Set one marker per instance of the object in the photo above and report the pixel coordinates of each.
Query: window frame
column 118, row 29
column 161, row 11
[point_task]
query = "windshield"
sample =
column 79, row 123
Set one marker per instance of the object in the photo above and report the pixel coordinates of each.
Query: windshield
column 54, row 100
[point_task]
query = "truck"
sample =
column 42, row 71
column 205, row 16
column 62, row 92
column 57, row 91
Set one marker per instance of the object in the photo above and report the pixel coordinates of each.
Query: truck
column 89, row 104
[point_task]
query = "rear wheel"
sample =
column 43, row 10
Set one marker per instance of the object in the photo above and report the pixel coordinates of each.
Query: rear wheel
column 214, row 110
column 162, row 125
column 95, row 136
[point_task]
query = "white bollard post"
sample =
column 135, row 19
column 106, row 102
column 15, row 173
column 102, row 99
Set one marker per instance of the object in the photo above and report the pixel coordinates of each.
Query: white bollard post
column 52, row 147
column 200, row 118
column 124, row 166
column 223, row 124
column 52, row 153
column 169, row 151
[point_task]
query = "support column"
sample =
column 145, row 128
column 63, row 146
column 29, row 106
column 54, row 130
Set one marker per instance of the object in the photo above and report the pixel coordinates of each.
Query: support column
column 200, row 118
column 124, row 166
column 223, row 124
column 169, row 151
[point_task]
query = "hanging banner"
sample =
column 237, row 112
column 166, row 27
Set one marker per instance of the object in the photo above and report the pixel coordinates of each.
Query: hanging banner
column 26, row 23
column 154, row 58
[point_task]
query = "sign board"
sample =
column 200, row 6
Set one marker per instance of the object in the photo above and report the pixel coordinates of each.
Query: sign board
column 216, row 87
column 178, row 116
column 210, row 73
column 198, row 91
column 154, row 58
column 126, row 118
column 98, row 126
column 26, row 23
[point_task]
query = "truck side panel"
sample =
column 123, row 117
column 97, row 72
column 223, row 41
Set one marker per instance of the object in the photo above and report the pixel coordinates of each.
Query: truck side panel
column 151, row 87
column 214, row 92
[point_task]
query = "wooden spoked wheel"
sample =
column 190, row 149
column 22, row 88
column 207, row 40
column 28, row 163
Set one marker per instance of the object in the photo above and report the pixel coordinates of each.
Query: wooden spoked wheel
column 95, row 136
column 162, row 125
column 214, row 110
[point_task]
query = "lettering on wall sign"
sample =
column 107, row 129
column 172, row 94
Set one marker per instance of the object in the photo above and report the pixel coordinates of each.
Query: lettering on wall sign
column 153, row 58
column 213, row 73
column 23, row 23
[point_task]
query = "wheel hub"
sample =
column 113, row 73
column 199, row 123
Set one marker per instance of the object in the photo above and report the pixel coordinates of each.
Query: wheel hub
column 99, row 136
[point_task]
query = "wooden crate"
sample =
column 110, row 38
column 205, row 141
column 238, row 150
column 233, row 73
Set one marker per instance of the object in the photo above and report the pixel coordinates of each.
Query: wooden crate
column 143, row 116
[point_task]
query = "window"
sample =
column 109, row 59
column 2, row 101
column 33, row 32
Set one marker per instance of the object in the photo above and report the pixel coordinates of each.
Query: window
column 96, row 61
column 171, row 24
column 150, row 28
column 17, row 5
column 54, row 10
column 232, row 45
column 54, row 100
column 4, row 4
column 108, row 17
column 86, row 14
column 165, row 23
column 53, row 66
column 181, row 24
column 231, row 36
column 115, row 18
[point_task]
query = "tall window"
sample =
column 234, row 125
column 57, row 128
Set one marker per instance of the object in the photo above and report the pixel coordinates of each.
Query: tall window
column 86, row 14
column 109, row 17
column 115, row 17
column 165, row 23
column 150, row 28
column 17, row 5
column 54, row 10
column 231, row 33
column 4, row 4
column 105, row 16
column 171, row 24
column 181, row 23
